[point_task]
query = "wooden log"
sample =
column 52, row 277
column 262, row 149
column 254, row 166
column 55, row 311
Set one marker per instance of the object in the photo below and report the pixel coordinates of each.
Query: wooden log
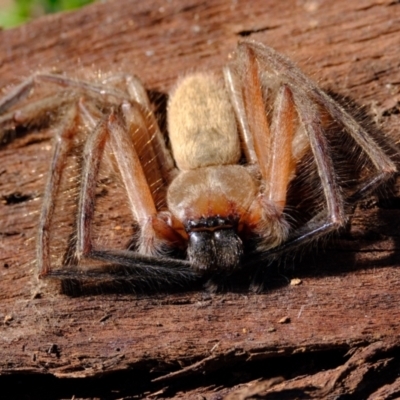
column 163, row 344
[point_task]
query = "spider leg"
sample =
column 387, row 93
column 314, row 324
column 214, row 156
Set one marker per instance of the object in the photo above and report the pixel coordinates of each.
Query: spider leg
column 281, row 65
column 138, row 94
column 234, row 86
column 31, row 114
column 126, row 270
column 37, row 111
column 270, row 148
column 154, row 229
column 124, row 266
column 140, row 199
column 273, row 150
column 165, row 162
column 305, row 94
column 92, row 155
column 154, row 137
column 128, row 264
column 63, row 142
column 135, row 93
column 142, row 134
column 384, row 165
column 139, row 268
column 334, row 216
column 85, row 87
column 16, row 94
column 21, row 91
column 281, row 165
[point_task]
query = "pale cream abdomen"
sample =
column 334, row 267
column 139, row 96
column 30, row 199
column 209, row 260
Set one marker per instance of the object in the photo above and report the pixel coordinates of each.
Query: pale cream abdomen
column 201, row 123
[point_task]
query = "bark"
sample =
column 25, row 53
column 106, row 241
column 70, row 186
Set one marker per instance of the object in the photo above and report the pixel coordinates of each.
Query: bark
column 342, row 323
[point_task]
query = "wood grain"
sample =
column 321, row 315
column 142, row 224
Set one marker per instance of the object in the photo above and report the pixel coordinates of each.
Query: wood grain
column 180, row 345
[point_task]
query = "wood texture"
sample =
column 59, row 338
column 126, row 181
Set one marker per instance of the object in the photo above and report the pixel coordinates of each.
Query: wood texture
column 199, row 344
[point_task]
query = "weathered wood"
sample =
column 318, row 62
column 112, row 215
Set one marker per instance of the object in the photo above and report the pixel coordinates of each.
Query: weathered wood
column 349, row 295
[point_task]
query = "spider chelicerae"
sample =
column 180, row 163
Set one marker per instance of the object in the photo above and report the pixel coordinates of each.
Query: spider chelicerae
column 259, row 161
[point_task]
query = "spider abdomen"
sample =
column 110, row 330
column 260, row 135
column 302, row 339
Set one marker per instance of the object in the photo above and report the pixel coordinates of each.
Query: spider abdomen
column 201, row 123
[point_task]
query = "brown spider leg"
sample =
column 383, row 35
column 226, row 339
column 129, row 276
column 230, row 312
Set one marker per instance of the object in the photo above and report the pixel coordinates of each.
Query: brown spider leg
column 234, row 86
column 243, row 82
column 22, row 90
column 334, row 216
column 138, row 94
column 281, row 165
column 385, row 167
column 273, row 146
column 16, row 94
column 128, row 270
column 31, row 114
column 140, row 134
column 269, row 148
column 63, row 143
column 63, row 81
column 273, row 149
column 123, row 266
column 280, row 168
column 136, row 91
column 154, row 228
column 37, row 111
column 281, row 65
column 92, row 155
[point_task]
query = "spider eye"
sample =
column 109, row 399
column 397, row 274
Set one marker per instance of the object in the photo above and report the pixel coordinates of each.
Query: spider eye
column 215, row 249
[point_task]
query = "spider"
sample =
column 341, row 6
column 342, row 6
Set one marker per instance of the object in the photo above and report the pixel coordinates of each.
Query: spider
column 259, row 161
